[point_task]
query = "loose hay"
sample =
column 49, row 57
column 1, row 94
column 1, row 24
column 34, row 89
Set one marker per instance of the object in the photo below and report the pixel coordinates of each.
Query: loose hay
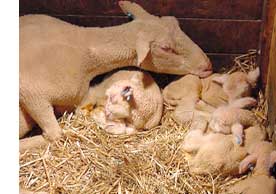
column 88, row 160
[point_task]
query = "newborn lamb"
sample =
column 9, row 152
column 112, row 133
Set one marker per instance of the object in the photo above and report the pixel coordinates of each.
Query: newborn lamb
column 206, row 153
column 214, row 91
column 186, row 92
column 238, row 84
column 130, row 106
column 263, row 155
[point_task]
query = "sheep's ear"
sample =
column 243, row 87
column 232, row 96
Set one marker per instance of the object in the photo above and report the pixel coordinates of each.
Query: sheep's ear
column 253, row 76
column 137, row 79
column 221, row 79
column 142, row 48
column 134, row 10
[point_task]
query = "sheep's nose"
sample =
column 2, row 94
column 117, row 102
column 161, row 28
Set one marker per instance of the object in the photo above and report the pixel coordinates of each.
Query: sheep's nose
column 209, row 66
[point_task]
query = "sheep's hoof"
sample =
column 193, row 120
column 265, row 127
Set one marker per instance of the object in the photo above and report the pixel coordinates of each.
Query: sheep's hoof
column 130, row 16
column 251, row 167
column 238, row 140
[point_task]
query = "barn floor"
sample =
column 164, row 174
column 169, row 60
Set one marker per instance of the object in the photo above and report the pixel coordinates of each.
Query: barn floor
column 87, row 160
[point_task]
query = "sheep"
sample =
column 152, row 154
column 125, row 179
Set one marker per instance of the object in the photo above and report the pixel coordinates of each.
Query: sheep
column 131, row 104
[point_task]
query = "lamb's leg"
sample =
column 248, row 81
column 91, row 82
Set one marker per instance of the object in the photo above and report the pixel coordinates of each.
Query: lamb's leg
column 130, row 130
column 203, row 106
column 32, row 142
column 42, row 113
column 237, row 131
column 244, row 102
column 115, row 128
column 22, row 191
column 249, row 161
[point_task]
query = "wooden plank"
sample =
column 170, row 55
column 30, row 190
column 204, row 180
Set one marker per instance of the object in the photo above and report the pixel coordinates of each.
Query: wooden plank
column 221, row 61
column 226, row 9
column 271, row 86
column 265, row 40
column 213, row 36
column 223, row 36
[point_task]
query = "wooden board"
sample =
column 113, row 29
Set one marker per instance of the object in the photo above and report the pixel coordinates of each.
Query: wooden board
column 265, row 38
column 271, row 86
column 213, row 36
column 226, row 9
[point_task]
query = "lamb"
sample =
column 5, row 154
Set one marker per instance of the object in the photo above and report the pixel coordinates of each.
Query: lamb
column 238, row 84
column 189, row 90
column 232, row 118
column 262, row 154
column 196, row 99
column 206, row 152
column 58, row 60
column 255, row 184
column 97, row 93
column 131, row 105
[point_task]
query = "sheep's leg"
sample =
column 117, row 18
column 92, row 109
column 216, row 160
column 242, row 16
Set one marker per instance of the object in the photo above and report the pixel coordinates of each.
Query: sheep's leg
column 247, row 163
column 130, row 130
column 203, row 106
column 244, row 102
column 272, row 164
column 115, row 128
column 22, row 191
column 272, row 158
column 25, row 123
column 237, row 131
column 42, row 113
column 32, row 142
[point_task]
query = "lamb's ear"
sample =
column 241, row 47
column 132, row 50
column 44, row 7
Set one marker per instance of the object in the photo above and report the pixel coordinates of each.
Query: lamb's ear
column 134, row 10
column 137, row 79
column 221, row 79
column 253, row 76
column 142, row 48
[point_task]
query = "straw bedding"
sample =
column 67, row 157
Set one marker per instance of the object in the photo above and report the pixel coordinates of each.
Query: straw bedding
column 88, row 160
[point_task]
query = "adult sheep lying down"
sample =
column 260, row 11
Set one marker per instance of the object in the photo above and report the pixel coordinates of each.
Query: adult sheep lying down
column 58, row 60
column 131, row 99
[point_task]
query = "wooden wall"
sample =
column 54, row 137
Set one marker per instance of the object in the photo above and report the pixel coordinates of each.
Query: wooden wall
column 222, row 28
column 271, row 85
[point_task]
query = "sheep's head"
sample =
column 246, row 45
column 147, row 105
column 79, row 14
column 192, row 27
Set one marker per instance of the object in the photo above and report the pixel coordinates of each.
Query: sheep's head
column 238, row 84
column 167, row 48
column 120, row 97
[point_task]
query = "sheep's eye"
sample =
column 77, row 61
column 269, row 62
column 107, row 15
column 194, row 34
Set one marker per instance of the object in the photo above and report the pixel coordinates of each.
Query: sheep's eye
column 125, row 90
column 168, row 49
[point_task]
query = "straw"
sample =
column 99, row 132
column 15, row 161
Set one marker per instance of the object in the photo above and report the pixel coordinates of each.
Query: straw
column 88, row 160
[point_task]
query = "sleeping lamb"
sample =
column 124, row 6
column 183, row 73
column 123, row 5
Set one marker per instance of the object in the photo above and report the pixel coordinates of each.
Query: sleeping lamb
column 131, row 104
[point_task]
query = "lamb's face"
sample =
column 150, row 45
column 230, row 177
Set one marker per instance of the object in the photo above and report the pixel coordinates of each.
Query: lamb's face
column 117, row 105
column 238, row 84
column 119, row 98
